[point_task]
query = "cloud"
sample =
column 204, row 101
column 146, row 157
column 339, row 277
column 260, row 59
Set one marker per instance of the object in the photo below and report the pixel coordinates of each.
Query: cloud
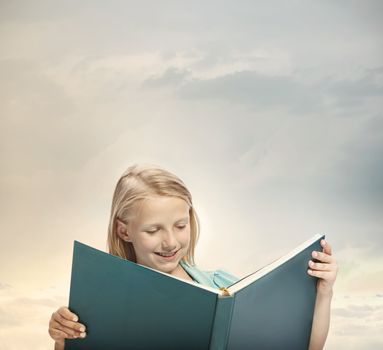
column 251, row 88
column 172, row 76
column 357, row 311
column 50, row 110
column 5, row 285
column 362, row 160
column 272, row 91
column 24, row 317
column 354, row 92
column 355, row 321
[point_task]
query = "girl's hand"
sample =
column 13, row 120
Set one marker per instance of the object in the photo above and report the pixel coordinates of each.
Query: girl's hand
column 63, row 325
column 326, row 269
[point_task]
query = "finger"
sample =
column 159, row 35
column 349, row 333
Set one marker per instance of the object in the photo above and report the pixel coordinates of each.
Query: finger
column 66, row 313
column 69, row 324
column 323, row 257
column 59, row 335
column 319, row 274
column 326, row 247
column 68, row 331
column 319, row 266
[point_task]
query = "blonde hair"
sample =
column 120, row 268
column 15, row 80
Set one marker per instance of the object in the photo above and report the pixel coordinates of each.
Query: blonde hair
column 139, row 182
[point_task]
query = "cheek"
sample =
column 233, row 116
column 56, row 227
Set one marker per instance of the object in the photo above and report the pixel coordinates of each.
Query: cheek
column 147, row 243
column 186, row 237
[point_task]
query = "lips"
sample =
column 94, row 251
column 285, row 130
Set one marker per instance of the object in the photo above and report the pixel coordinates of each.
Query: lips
column 167, row 256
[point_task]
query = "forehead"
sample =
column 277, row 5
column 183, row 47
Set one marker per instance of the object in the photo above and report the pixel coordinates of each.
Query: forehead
column 157, row 208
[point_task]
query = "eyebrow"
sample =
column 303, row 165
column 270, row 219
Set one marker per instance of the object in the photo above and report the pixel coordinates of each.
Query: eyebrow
column 158, row 224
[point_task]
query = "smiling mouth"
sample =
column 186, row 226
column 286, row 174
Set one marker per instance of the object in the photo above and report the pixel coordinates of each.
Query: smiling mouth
column 166, row 255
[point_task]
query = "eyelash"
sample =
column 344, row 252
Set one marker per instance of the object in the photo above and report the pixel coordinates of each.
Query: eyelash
column 151, row 231
column 179, row 227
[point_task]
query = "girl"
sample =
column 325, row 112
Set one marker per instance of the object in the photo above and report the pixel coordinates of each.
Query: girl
column 153, row 223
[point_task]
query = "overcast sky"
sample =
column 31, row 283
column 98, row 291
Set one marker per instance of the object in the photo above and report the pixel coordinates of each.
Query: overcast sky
column 271, row 112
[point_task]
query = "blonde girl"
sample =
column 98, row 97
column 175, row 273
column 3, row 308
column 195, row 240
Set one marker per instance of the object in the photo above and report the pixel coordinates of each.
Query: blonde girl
column 153, row 223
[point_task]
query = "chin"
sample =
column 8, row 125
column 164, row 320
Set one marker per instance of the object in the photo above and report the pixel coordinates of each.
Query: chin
column 167, row 268
column 164, row 270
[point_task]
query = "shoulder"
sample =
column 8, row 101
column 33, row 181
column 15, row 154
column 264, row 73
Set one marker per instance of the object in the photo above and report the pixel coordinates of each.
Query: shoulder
column 216, row 279
column 223, row 279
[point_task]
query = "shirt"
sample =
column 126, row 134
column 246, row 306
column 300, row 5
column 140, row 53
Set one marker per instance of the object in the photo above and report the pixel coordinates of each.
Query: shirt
column 214, row 279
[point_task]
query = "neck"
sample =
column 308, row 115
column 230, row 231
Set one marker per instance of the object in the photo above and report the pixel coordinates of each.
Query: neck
column 181, row 273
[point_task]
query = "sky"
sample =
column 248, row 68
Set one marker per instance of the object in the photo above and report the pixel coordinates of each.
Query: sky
column 270, row 112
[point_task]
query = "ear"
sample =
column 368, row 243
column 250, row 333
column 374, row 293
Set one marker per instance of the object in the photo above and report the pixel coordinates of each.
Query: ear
column 122, row 231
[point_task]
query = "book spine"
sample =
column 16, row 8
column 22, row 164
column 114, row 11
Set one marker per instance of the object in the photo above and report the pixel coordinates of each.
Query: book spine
column 222, row 320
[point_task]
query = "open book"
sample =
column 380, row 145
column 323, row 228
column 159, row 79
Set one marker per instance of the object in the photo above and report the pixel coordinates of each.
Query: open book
column 129, row 306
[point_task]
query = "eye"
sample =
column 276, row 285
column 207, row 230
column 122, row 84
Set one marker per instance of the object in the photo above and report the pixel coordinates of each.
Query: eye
column 181, row 226
column 152, row 231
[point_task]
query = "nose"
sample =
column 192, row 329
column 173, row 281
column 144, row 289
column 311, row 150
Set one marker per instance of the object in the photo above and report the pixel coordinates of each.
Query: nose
column 169, row 241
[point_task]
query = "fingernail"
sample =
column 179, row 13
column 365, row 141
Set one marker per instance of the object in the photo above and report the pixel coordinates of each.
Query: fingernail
column 82, row 329
column 309, row 271
column 311, row 263
column 82, row 335
column 323, row 242
column 75, row 318
column 315, row 253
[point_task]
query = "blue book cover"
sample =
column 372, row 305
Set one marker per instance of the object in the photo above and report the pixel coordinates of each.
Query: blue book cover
column 129, row 306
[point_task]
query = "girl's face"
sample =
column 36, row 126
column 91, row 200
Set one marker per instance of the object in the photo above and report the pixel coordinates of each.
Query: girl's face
column 160, row 233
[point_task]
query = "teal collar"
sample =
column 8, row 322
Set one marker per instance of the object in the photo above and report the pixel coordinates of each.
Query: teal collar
column 197, row 275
